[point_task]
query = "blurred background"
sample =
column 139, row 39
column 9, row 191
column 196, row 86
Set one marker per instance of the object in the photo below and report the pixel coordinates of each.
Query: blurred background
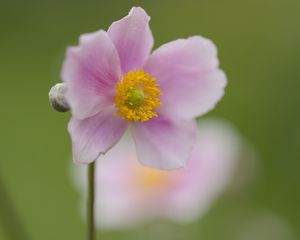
column 258, row 43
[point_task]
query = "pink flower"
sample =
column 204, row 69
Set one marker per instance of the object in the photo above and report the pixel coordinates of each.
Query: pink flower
column 113, row 82
column 128, row 193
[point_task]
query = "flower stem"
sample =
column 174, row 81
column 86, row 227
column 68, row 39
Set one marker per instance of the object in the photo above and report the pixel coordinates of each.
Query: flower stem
column 9, row 218
column 90, row 202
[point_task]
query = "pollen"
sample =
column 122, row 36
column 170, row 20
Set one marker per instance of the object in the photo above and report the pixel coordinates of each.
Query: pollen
column 137, row 96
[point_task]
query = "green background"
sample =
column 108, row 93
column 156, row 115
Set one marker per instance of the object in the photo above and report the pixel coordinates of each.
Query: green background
column 259, row 49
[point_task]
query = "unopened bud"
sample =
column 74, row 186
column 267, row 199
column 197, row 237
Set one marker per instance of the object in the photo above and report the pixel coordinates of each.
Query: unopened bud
column 57, row 97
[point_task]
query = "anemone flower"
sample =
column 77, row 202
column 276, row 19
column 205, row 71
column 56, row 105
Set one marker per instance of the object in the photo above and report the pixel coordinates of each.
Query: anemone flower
column 115, row 82
column 128, row 193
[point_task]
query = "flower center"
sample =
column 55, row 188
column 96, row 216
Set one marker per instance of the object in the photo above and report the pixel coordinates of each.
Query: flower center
column 137, row 96
column 152, row 178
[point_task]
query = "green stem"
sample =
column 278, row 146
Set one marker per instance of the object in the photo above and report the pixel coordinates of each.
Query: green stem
column 9, row 219
column 90, row 202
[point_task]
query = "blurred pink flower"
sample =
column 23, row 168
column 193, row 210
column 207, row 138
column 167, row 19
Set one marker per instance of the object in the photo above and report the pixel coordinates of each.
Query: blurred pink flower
column 127, row 193
column 114, row 82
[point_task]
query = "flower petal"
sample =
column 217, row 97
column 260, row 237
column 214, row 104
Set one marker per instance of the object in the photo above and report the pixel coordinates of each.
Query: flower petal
column 91, row 71
column 133, row 39
column 163, row 143
column 214, row 160
column 116, row 198
column 95, row 135
column 188, row 74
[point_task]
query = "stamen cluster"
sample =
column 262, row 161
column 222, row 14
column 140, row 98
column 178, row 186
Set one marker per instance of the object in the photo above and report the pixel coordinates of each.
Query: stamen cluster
column 137, row 96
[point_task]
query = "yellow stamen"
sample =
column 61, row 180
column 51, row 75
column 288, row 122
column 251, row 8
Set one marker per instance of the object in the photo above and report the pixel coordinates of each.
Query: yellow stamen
column 152, row 178
column 137, row 96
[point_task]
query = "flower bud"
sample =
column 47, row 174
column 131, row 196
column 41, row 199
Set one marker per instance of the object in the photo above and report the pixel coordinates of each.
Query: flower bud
column 57, row 97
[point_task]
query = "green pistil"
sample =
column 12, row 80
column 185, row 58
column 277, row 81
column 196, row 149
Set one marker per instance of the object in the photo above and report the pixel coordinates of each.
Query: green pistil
column 136, row 97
